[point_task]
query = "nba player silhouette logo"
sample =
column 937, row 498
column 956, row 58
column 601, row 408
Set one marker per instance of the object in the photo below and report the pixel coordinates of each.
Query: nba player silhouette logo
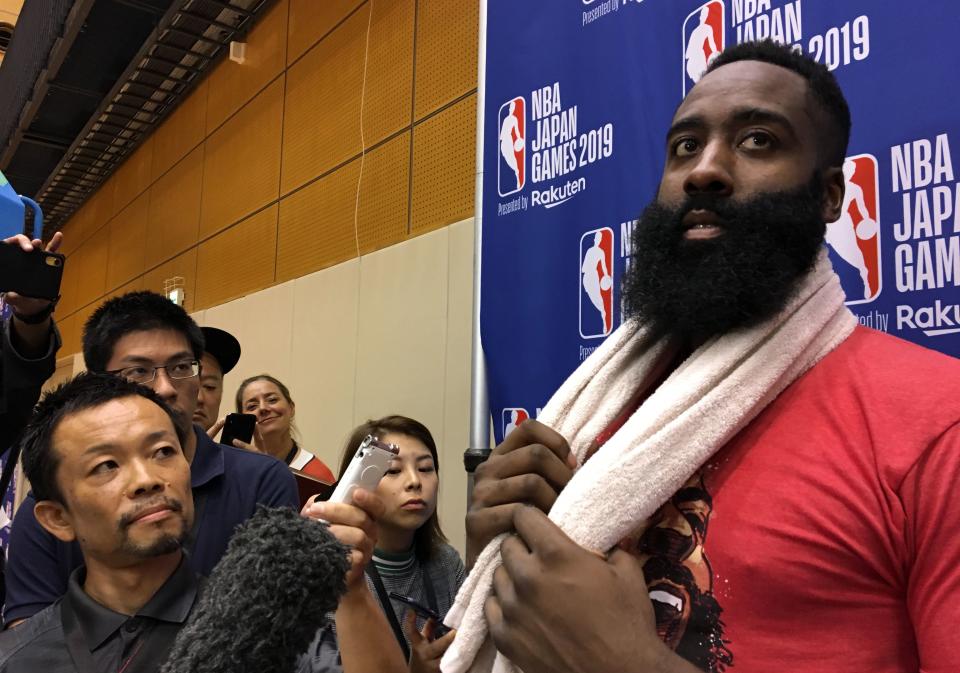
column 511, row 169
column 512, row 417
column 854, row 239
column 704, row 37
column 596, row 283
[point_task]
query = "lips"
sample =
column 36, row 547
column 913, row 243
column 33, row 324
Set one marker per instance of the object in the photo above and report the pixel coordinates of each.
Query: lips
column 701, row 224
column 150, row 513
column 414, row 505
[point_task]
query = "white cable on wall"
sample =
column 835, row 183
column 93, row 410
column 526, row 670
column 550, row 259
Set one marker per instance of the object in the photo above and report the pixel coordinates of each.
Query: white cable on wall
column 363, row 143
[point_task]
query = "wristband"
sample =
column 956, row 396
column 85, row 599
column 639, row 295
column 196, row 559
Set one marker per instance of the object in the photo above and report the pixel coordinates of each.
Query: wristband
column 40, row 316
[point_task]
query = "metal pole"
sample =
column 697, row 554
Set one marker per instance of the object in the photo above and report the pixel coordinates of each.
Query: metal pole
column 479, row 448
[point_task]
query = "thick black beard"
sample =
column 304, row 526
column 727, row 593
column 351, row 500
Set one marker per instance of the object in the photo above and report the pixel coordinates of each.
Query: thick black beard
column 694, row 290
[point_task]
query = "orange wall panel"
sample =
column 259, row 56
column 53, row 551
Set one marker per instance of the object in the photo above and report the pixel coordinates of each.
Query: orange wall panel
column 92, row 279
column 233, row 84
column 387, row 103
column 69, row 333
column 128, row 243
column 444, row 148
column 238, row 261
column 316, row 224
column 174, row 220
column 310, row 20
column 384, row 195
column 241, row 167
column 447, row 39
column 183, row 130
column 133, row 176
column 321, row 125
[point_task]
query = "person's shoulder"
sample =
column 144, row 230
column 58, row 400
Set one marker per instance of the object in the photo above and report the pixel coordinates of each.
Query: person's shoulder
column 446, row 557
column 43, row 626
column 249, row 461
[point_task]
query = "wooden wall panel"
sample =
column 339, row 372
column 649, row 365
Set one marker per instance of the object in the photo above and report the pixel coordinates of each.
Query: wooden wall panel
column 444, row 148
column 242, row 162
column 237, row 261
column 128, row 243
column 233, row 84
column 387, row 104
column 92, row 279
column 316, row 227
column 447, row 39
column 133, row 177
column 184, row 265
column 384, row 194
column 174, row 221
column 181, row 132
column 311, row 20
column 69, row 301
column 321, row 126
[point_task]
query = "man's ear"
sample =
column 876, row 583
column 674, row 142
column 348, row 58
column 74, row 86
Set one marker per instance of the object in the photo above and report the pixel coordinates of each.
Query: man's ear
column 55, row 518
column 834, row 187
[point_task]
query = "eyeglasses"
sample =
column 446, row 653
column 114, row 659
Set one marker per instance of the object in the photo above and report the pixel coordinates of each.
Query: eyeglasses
column 143, row 374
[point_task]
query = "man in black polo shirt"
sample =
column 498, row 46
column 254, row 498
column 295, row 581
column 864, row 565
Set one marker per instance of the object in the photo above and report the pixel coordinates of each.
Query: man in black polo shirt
column 105, row 461
column 144, row 337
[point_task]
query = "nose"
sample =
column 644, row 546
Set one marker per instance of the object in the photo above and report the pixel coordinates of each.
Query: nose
column 413, row 479
column 711, row 172
column 163, row 386
column 143, row 481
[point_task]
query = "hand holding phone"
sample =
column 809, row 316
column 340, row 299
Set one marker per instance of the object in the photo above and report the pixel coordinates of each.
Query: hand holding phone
column 439, row 628
column 238, row 426
column 366, row 468
column 30, row 271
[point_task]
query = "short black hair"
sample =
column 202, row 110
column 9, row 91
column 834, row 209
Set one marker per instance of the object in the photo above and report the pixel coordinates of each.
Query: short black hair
column 821, row 82
column 84, row 391
column 134, row 312
column 428, row 538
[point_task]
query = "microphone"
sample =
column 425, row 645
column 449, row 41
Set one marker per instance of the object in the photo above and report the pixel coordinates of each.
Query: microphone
column 280, row 578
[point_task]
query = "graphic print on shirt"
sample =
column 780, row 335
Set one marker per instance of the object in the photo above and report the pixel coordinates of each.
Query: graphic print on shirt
column 680, row 579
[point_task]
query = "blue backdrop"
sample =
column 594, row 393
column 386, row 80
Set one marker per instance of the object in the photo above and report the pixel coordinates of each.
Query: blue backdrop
column 579, row 95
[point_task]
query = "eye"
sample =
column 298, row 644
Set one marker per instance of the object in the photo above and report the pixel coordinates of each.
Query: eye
column 757, row 140
column 210, row 388
column 394, row 470
column 427, row 469
column 165, row 452
column 182, row 369
column 685, row 147
column 104, row 467
column 136, row 373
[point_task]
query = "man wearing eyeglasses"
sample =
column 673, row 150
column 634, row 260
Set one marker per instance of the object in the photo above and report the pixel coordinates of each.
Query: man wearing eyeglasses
column 145, row 338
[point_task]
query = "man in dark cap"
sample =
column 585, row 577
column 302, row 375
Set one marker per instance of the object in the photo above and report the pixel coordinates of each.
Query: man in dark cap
column 221, row 354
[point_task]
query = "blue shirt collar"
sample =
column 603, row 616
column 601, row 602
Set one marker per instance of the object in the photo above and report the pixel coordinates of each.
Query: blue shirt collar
column 207, row 461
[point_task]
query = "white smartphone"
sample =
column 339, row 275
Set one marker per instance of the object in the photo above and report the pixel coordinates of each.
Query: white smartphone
column 366, row 468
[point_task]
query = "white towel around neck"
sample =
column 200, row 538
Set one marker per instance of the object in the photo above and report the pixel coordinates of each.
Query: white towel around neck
column 712, row 395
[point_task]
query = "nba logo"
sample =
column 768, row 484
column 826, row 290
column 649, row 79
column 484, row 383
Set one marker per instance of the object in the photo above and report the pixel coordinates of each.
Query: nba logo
column 596, row 283
column 704, row 36
column 512, row 417
column 511, row 169
column 854, row 239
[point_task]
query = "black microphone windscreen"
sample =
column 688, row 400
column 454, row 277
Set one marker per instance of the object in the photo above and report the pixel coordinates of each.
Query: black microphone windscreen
column 281, row 576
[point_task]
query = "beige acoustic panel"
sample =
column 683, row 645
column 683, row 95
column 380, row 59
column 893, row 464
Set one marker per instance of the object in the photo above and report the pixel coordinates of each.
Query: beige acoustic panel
column 321, row 124
column 324, row 353
column 311, row 20
column 387, row 101
column 182, row 131
column 402, row 339
column 238, row 261
column 132, row 177
column 241, row 167
column 447, row 39
column 444, row 151
column 384, row 193
column 456, row 400
column 232, row 84
column 262, row 323
column 93, row 256
column 317, row 224
column 184, row 266
column 174, row 221
column 128, row 242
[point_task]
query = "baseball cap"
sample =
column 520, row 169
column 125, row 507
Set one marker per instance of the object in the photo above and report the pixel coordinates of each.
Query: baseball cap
column 223, row 346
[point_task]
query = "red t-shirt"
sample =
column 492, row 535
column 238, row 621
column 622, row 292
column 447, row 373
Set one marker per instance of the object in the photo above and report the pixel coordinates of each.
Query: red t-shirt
column 825, row 537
